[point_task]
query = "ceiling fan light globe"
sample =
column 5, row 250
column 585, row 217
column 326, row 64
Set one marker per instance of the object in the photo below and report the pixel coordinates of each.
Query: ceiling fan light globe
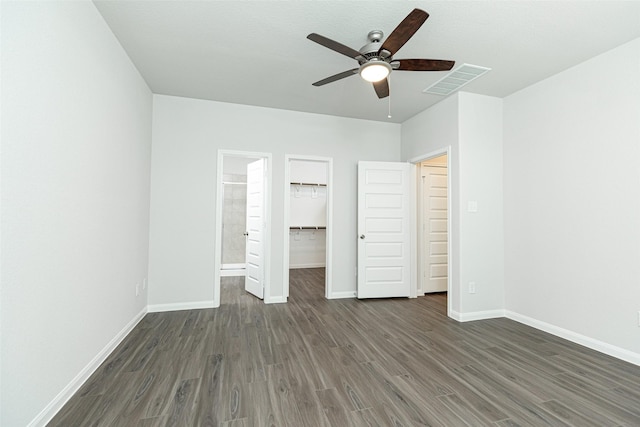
column 375, row 71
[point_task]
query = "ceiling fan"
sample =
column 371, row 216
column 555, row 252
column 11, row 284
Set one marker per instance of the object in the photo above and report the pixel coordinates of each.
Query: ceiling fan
column 376, row 58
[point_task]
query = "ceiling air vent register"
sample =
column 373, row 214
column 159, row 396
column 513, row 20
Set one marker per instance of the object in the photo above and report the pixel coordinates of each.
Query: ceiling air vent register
column 456, row 78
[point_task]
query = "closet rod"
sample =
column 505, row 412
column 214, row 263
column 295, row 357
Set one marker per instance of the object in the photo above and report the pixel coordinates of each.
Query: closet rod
column 309, row 184
column 307, row 228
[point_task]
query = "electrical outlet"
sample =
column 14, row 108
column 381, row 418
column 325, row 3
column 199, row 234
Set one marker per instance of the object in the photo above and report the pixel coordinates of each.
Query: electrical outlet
column 144, row 283
column 137, row 289
column 472, row 287
column 639, row 318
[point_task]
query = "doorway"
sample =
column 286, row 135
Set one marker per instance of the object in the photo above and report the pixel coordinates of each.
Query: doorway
column 308, row 218
column 234, row 215
column 434, row 230
column 233, row 210
column 433, row 224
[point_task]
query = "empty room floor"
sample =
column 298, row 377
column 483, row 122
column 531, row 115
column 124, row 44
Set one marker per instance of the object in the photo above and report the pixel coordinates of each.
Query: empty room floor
column 318, row 362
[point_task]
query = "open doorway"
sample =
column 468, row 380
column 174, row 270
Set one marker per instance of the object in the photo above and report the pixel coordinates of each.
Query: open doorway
column 307, row 234
column 433, row 186
column 434, row 232
column 242, row 219
column 234, row 215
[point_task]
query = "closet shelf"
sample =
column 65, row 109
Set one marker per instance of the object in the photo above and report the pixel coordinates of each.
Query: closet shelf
column 308, row 228
column 309, row 184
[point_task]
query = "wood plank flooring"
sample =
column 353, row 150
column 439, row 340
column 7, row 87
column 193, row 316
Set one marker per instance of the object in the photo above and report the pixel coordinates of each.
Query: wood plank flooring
column 315, row 362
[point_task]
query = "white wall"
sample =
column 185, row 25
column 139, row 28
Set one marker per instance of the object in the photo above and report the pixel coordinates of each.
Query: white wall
column 307, row 248
column 186, row 136
column 236, row 165
column 308, row 206
column 572, row 202
column 309, row 172
column 432, row 130
column 481, row 232
column 471, row 125
column 76, row 138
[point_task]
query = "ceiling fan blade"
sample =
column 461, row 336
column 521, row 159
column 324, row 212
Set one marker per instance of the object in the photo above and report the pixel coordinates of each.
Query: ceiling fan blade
column 404, row 31
column 423, row 64
column 335, row 77
column 334, row 45
column 382, row 88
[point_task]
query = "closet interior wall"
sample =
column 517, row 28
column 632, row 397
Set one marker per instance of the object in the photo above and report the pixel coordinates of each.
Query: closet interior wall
column 308, row 214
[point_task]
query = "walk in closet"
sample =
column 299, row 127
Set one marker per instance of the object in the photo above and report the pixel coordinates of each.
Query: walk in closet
column 308, row 214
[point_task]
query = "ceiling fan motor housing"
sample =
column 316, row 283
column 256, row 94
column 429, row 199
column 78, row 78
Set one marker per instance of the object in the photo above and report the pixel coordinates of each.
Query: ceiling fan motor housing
column 370, row 51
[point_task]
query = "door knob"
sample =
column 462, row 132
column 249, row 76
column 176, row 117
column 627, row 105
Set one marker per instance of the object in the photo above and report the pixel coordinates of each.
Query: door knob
column 362, row 236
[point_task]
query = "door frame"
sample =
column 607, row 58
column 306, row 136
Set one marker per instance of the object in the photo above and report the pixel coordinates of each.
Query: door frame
column 423, row 244
column 328, row 283
column 418, row 243
column 217, row 264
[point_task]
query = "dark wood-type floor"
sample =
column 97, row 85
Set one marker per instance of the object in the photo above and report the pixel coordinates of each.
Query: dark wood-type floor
column 314, row 362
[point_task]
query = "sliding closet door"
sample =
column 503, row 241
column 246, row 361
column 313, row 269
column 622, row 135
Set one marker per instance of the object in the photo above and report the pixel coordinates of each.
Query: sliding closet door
column 384, row 240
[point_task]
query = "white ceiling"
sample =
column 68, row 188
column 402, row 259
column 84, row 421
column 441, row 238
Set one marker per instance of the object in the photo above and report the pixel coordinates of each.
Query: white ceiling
column 256, row 52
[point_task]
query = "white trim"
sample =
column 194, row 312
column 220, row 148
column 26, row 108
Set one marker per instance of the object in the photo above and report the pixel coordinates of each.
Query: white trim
column 328, row 275
column 234, row 266
column 311, row 265
column 452, row 292
column 233, row 273
column 477, row 315
column 594, row 344
column 454, row 315
column 328, row 269
column 414, row 239
column 217, row 262
column 66, row 393
column 275, row 300
column 194, row 305
column 343, row 294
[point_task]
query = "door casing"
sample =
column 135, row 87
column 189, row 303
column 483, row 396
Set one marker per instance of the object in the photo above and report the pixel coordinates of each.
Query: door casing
column 425, row 193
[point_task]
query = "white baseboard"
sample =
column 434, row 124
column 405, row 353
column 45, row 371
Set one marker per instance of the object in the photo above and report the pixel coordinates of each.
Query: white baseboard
column 63, row 397
column 311, row 265
column 341, row 295
column 602, row 347
column 234, row 266
column 232, row 273
column 195, row 305
column 476, row 315
column 275, row 300
column 454, row 315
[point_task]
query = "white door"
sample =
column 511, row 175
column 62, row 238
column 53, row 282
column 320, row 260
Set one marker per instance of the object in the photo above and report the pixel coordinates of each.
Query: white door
column 254, row 276
column 434, row 196
column 383, row 230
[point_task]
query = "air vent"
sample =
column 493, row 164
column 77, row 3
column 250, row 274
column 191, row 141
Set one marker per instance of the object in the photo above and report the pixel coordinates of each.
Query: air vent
column 456, row 78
